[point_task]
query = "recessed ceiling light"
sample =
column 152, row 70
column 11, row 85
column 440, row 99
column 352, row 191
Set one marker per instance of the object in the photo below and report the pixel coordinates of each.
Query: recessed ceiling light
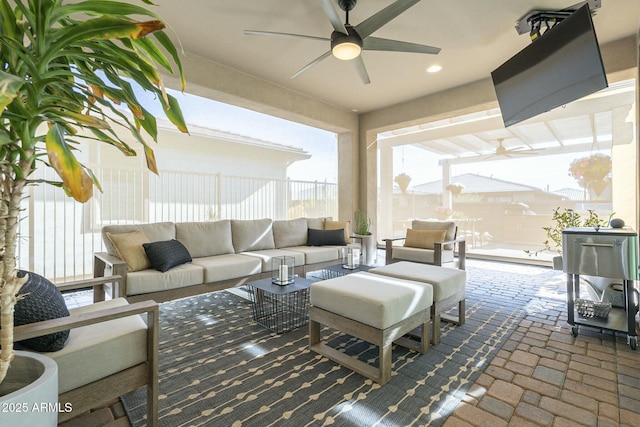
column 434, row 68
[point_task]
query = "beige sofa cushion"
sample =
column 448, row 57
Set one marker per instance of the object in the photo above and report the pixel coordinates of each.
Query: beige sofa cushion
column 97, row 351
column 424, row 239
column 146, row 281
column 316, row 254
column 291, row 232
column 156, row 232
column 252, row 235
column 205, row 238
column 229, row 266
column 317, row 223
column 128, row 247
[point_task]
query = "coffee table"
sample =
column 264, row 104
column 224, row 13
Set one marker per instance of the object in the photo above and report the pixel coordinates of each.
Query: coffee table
column 338, row 270
column 280, row 308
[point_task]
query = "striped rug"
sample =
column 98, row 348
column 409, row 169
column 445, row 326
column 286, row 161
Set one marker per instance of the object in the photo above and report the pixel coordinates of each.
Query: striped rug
column 218, row 368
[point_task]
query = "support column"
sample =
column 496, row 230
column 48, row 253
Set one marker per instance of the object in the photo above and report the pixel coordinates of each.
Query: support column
column 624, row 152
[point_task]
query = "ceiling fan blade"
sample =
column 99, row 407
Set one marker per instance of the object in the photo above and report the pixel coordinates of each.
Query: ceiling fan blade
column 361, row 69
column 271, row 33
column 375, row 43
column 374, row 22
column 311, row 64
column 333, row 16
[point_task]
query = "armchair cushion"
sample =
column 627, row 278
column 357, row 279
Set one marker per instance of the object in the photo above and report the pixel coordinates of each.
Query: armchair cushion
column 167, row 254
column 424, row 239
column 449, row 226
column 99, row 350
column 128, row 247
column 40, row 300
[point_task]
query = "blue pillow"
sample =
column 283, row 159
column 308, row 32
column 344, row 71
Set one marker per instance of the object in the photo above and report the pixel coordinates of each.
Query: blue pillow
column 325, row 237
column 166, row 254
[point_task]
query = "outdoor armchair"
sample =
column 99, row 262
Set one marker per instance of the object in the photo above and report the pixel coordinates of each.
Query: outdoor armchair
column 111, row 350
column 429, row 242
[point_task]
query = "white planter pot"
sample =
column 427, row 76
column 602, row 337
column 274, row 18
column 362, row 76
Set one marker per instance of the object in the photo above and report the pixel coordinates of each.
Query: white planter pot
column 29, row 393
column 369, row 249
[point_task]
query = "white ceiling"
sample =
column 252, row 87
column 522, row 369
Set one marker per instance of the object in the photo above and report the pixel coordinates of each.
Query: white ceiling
column 475, row 37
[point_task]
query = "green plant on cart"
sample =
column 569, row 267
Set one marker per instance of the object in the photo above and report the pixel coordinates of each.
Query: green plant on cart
column 568, row 218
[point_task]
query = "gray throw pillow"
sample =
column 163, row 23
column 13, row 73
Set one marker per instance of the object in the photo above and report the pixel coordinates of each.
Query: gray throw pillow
column 166, row 254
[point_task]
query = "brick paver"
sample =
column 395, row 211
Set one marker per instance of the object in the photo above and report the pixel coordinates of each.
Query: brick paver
column 544, row 374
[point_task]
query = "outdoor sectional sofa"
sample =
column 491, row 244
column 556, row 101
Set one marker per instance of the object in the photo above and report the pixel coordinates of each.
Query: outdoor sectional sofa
column 223, row 254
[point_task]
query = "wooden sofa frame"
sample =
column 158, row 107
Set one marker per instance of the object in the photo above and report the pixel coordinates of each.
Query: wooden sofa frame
column 105, row 265
column 103, row 391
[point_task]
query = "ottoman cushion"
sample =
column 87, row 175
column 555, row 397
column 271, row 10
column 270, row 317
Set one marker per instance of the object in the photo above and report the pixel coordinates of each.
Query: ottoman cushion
column 372, row 299
column 445, row 281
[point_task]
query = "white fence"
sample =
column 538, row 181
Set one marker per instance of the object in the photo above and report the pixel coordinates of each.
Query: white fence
column 58, row 236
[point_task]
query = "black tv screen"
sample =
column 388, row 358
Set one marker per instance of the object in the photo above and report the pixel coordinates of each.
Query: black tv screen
column 562, row 65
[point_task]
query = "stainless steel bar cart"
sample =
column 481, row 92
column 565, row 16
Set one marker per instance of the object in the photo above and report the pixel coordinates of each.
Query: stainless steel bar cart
column 603, row 252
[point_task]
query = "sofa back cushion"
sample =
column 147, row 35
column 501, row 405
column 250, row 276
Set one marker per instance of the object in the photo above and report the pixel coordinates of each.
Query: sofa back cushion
column 252, row 235
column 289, row 233
column 449, row 226
column 318, row 223
column 205, row 238
column 154, row 232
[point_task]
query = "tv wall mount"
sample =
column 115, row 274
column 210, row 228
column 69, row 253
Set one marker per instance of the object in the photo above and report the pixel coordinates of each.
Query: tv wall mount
column 532, row 23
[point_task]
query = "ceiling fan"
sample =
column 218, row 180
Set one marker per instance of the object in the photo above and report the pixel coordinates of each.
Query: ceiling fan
column 348, row 41
column 510, row 152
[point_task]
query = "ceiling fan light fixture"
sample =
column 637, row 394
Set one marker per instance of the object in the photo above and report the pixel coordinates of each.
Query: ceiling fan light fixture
column 346, row 50
column 346, row 46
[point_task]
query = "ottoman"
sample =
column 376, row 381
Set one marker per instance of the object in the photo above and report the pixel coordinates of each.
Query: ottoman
column 375, row 308
column 448, row 284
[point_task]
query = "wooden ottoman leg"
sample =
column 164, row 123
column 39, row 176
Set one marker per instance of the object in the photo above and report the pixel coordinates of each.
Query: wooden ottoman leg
column 461, row 308
column 435, row 318
column 424, row 336
column 314, row 332
column 385, row 364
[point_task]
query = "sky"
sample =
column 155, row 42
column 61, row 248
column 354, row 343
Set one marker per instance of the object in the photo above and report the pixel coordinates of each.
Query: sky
column 322, row 145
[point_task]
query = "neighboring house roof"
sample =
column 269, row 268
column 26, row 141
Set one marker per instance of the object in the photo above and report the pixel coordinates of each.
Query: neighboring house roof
column 474, row 183
column 571, row 193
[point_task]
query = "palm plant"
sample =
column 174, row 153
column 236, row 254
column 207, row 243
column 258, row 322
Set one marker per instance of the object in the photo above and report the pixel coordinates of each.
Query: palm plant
column 65, row 69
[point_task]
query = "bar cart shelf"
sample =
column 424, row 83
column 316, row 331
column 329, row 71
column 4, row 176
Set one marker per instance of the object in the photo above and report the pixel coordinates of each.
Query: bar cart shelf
column 609, row 253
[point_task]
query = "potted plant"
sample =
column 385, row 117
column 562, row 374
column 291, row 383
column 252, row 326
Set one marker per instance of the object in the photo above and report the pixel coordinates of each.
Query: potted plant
column 362, row 224
column 564, row 219
column 66, row 69
column 362, row 230
column 592, row 172
column 443, row 212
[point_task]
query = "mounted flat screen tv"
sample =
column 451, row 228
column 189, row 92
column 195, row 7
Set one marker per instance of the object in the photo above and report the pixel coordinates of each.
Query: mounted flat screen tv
column 562, row 65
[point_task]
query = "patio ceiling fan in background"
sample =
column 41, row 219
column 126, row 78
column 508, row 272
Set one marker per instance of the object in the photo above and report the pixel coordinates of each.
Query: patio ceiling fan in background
column 501, row 150
column 348, row 41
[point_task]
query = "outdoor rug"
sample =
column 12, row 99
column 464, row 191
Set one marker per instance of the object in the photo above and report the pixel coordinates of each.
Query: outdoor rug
column 218, row 368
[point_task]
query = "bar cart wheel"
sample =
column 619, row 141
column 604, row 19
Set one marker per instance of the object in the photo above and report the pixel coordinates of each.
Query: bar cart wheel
column 633, row 342
column 574, row 331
